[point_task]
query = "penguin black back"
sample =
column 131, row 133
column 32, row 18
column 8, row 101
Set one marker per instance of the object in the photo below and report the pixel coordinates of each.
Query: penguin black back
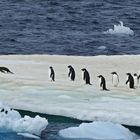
column 86, row 76
column 103, row 83
column 5, row 70
column 130, row 80
column 71, row 73
column 52, row 74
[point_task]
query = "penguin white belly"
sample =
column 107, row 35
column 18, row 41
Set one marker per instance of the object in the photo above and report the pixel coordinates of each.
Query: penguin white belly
column 82, row 75
column 115, row 80
column 99, row 82
column 70, row 76
column 49, row 72
column 135, row 81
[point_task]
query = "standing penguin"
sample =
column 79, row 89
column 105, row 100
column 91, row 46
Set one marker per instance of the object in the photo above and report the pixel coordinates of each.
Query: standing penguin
column 136, row 80
column 51, row 74
column 130, row 80
column 71, row 73
column 115, row 79
column 103, row 82
column 86, row 76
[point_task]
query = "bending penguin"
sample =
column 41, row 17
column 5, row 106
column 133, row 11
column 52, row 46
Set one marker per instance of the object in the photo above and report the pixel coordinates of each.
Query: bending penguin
column 71, row 73
column 51, row 74
column 130, row 80
column 115, row 79
column 86, row 76
column 103, row 82
column 5, row 70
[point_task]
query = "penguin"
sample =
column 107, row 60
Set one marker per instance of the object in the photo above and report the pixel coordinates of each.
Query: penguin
column 136, row 80
column 6, row 112
column 86, row 76
column 115, row 79
column 130, row 80
column 71, row 73
column 2, row 110
column 51, row 74
column 5, row 70
column 103, row 82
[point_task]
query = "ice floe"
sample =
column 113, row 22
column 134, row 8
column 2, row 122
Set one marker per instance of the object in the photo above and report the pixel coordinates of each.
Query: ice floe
column 30, row 88
column 120, row 29
column 98, row 130
column 11, row 121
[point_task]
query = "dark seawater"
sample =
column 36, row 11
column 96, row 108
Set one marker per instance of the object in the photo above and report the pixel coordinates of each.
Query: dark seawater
column 56, row 123
column 68, row 27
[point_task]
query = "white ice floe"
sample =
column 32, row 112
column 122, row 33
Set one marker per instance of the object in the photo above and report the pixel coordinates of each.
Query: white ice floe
column 120, row 29
column 29, row 135
column 11, row 121
column 30, row 88
column 98, row 130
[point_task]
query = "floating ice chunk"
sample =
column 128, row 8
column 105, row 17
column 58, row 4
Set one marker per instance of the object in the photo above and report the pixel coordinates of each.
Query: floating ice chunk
column 11, row 121
column 29, row 135
column 120, row 29
column 98, row 130
column 102, row 47
column 30, row 125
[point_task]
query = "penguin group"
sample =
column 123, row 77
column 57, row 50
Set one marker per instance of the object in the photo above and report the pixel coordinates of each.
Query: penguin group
column 133, row 81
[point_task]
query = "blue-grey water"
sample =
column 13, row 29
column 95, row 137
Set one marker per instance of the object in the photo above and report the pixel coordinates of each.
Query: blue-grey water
column 70, row 27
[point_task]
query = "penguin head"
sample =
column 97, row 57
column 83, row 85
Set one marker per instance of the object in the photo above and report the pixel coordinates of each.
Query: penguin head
column 113, row 73
column 69, row 66
column 128, row 74
column 83, row 69
column 51, row 67
column 100, row 76
column 135, row 74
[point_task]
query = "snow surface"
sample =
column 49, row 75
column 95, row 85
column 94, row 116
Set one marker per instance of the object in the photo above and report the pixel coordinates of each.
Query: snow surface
column 99, row 131
column 31, row 89
column 11, row 121
column 120, row 29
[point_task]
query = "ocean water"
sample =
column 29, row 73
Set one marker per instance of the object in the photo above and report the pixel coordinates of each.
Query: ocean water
column 70, row 27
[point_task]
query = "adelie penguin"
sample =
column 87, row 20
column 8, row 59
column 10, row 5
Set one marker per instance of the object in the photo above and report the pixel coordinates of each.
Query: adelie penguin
column 103, row 82
column 115, row 79
column 51, row 73
column 5, row 70
column 71, row 73
column 136, row 80
column 86, row 76
column 130, row 80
